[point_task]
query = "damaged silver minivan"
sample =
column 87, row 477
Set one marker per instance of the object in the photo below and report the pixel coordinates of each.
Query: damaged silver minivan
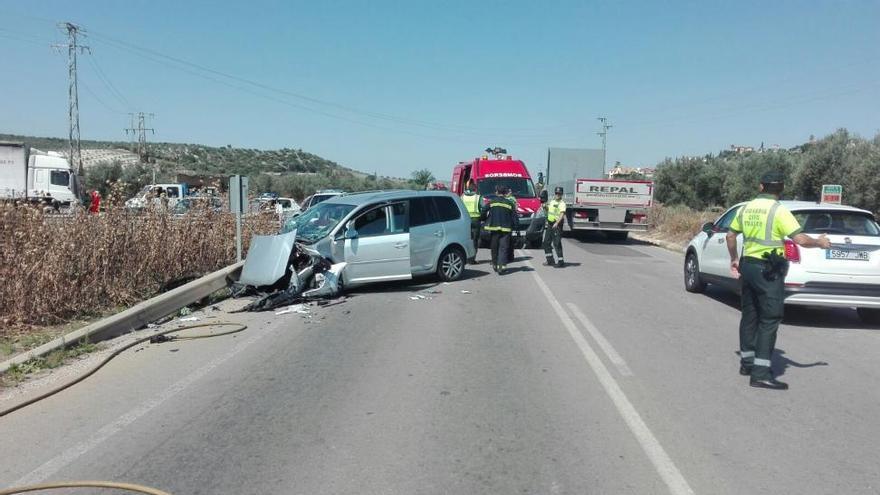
column 389, row 235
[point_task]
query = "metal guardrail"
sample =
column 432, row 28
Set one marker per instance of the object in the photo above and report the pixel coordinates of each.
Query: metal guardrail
column 138, row 316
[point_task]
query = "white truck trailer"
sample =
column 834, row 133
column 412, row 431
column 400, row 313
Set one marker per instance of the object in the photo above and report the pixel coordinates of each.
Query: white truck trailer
column 594, row 202
column 30, row 175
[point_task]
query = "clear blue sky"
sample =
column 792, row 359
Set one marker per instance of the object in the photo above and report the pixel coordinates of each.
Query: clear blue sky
column 411, row 84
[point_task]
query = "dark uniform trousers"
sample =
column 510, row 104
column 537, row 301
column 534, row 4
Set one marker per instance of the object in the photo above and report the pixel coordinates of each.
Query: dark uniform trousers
column 475, row 234
column 500, row 247
column 762, row 310
column 552, row 240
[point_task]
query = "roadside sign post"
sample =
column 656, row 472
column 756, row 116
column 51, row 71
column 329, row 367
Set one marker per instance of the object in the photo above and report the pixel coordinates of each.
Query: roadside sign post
column 831, row 193
column 238, row 200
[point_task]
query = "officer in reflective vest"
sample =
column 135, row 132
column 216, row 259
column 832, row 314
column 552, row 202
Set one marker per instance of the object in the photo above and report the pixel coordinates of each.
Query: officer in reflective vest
column 500, row 216
column 508, row 195
column 473, row 202
column 764, row 224
column 555, row 213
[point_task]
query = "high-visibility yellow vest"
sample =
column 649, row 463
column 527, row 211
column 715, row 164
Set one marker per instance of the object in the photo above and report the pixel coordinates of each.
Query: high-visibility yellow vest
column 764, row 224
column 555, row 209
column 472, row 204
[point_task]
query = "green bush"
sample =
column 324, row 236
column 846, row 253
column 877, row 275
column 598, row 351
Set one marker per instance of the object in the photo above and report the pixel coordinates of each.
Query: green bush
column 726, row 179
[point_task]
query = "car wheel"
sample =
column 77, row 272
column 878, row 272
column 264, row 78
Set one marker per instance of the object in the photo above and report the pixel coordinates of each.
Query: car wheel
column 450, row 266
column 869, row 315
column 693, row 282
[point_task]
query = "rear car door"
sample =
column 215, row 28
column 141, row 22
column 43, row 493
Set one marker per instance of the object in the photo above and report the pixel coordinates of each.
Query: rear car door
column 377, row 245
column 425, row 233
column 451, row 216
column 715, row 260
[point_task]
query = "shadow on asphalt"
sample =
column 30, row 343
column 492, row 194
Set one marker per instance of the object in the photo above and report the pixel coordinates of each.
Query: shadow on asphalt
column 514, row 269
column 802, row 316
column 779, row 363
column 596, row 237
column 414, row 285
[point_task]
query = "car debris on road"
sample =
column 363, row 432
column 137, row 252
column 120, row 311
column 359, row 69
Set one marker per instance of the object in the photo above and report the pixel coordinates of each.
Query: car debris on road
column 284, row 273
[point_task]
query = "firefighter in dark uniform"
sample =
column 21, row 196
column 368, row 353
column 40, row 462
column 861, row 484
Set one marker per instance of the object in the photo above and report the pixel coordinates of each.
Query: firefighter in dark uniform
column 764, row 224
column 500, row 216
column 555, row 213
column 473, row 202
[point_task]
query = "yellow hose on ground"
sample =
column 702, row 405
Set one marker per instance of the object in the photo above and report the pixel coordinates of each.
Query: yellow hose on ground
column 238, row 328
column 84, row 484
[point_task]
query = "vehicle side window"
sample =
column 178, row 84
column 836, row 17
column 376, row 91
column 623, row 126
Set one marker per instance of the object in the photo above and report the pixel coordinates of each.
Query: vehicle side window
column 421, row 212
column 446, row 208
column 723, row 223
column 372, row 223
column 172, row 192
column 399, row 222
column 59, row 178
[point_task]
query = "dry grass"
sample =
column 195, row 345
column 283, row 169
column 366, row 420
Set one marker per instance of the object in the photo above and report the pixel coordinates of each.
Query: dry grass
column 678, row 224
column 55, row 268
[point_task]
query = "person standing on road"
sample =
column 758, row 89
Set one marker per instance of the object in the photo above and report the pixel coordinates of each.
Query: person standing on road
column 555, row 213
column 764, row 224
column 473, row 203
column 508, row 195
column 500, row 217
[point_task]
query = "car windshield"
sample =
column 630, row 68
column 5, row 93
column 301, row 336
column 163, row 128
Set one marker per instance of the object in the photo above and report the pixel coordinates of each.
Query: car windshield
column 322, row 197
column 318, row 221
column 520, row 187
column 837, row 222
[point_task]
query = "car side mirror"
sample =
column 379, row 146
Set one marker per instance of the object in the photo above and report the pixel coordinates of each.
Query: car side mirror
column 351, row 232
column 544, row 196
column 708, row 228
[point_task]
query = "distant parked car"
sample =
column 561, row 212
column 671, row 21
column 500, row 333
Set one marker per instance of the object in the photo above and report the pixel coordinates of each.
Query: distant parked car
column 287, row 208
column 847, row 275
column 389, row 235
column 197, row 203
column 319, row 197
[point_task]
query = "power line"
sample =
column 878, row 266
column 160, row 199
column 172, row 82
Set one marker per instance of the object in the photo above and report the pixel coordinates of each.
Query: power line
column 98, row 98
column 73, row 46
column 346, row 108
column 604, row 133
column 109, row 84
column 141, row 131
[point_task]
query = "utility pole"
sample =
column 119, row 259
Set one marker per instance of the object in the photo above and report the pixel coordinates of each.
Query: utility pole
column 603, row 133
column 141, row 131
column 73, row 46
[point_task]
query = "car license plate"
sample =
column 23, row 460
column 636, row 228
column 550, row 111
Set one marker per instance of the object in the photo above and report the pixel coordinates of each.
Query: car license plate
column 840, row 254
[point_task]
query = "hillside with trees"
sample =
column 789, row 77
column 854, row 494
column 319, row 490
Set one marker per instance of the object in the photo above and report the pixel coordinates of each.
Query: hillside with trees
column 730, row 177
column 287, row 171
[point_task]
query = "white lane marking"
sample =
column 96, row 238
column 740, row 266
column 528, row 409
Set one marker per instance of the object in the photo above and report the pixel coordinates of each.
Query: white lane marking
column 659, row 458
column 600, row 339
column 73, row 453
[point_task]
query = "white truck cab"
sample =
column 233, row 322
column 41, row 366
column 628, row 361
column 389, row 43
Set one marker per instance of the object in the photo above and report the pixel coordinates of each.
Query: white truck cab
column 49, row 175
column 28, row 174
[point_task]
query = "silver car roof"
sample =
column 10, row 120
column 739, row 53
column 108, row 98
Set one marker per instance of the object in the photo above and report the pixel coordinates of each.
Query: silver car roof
column 795, row 205
column 361, row 198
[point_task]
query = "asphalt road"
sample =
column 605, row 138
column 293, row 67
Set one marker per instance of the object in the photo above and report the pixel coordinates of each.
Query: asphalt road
column 602, row 377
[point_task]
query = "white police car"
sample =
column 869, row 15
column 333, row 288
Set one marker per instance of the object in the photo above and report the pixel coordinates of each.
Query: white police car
column 846, row 275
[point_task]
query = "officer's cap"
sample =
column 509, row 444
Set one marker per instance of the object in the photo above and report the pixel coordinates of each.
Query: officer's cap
column 558, row 190
column 774, row 177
